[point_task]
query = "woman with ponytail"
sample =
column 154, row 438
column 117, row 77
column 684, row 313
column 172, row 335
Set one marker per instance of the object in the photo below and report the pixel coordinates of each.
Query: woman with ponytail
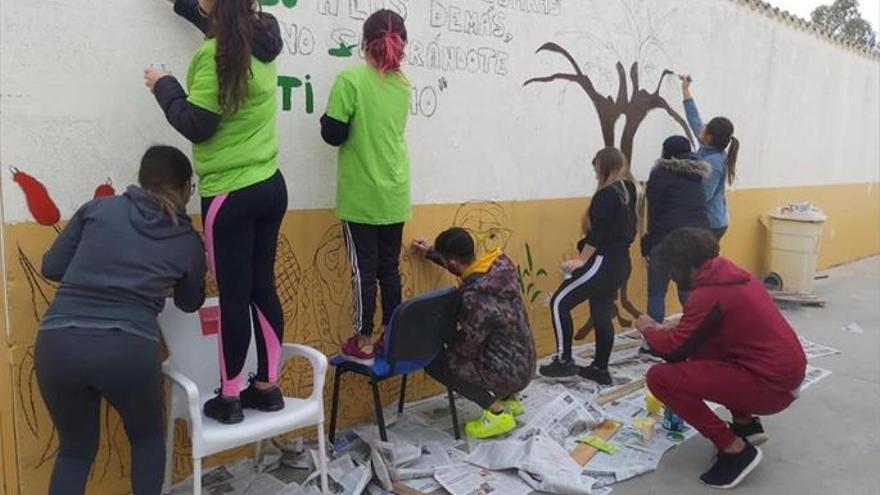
column 116, row 261
column 719, row 149
column 602, row 266
column 229, row 115
column 366, row 118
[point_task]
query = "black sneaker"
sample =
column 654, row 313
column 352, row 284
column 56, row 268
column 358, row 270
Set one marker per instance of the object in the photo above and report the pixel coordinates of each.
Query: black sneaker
column 559, row 368
column 598, row 375
column 226, row 411
column 730, row 469
column 752, row 432
column 262, row 400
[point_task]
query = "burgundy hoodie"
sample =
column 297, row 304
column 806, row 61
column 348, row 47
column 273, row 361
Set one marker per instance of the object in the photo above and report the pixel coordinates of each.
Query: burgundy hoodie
column 729, row 316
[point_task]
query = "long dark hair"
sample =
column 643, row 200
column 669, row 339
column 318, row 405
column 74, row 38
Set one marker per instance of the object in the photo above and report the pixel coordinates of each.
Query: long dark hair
column 166, row 175
column 720, row 130
column 233, row 23
column 385, row 39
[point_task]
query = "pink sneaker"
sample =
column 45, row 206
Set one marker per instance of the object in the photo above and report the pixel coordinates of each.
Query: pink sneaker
column 354, row 353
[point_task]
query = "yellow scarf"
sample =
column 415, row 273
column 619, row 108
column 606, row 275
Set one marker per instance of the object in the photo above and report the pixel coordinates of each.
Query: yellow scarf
column 482, row 265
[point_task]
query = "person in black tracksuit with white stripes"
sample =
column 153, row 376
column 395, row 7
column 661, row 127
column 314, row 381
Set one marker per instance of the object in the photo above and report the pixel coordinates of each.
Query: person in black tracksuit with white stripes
column 599, row 271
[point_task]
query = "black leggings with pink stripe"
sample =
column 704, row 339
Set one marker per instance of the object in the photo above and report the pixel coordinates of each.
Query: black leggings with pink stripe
column 241, row 237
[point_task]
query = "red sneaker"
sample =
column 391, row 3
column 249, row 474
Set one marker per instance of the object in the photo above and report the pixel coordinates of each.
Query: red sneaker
column 353, row 352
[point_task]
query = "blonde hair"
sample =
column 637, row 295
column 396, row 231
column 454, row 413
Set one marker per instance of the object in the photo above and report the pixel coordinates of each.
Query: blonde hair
column 612, row 166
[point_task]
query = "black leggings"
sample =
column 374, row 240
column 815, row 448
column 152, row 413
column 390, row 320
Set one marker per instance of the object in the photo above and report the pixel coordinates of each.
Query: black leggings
column 241, row 237
column 439, row 370
column 599, row 280
column 374, row 252
column 76, row 368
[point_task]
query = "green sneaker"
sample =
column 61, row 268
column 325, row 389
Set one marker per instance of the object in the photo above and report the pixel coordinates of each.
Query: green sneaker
column 514, row 406
column 490, row 425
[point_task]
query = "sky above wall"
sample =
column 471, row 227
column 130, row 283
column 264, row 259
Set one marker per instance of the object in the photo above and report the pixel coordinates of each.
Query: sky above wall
column 803, row 8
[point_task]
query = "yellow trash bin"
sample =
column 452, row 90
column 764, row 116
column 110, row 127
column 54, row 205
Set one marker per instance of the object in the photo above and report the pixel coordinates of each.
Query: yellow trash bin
column 795, row 232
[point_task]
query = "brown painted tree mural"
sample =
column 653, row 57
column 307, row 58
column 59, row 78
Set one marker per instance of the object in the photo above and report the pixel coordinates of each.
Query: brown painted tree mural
column 634, row 106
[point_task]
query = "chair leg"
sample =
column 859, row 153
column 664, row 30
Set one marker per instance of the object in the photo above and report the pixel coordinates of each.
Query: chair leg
column 258, row 453
column 322, row 459
column 380, row 416
column 402, row 400
column 334, row 408
column 197, row 476
column 169, row 448
column 454, row 413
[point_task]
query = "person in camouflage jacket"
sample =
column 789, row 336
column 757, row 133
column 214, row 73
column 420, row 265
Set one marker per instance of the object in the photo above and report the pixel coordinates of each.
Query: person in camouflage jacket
column 492, row 356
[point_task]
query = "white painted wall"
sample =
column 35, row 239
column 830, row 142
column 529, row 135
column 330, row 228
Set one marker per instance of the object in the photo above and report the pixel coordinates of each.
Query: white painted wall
column 73, row 109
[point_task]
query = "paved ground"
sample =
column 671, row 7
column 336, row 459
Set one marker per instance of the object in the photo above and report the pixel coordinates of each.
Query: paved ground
column 828, row 442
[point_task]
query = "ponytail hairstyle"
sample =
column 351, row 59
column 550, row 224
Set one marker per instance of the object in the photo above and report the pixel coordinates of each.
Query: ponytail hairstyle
column 720, row 131
column 233, row 23
column 611, row 165
column 385, row 39
column 166, row 175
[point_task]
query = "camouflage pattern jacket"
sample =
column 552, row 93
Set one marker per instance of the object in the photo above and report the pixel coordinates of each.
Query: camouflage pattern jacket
column 494, row 347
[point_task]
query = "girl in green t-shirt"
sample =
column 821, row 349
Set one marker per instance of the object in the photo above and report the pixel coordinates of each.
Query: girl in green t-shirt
column 229, row 115
column 366, row 117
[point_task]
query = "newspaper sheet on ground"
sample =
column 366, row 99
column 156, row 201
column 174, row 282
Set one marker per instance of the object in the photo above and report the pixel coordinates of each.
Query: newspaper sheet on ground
column 563, row 418
column 814, row 350
column 540, row 461
column 238, row 478
column 468, row 479
column 347, row 477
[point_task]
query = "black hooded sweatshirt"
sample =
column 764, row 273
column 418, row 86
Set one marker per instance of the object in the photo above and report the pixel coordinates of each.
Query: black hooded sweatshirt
column 117, row 259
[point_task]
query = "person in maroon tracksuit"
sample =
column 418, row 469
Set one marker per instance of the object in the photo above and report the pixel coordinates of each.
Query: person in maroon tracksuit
column 732, row 347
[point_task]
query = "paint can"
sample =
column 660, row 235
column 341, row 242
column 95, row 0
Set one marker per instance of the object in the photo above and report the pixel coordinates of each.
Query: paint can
column 671, row 421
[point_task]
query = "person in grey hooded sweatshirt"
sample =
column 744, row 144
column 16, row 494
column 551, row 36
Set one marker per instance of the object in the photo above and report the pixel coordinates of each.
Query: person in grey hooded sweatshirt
column 117, row 260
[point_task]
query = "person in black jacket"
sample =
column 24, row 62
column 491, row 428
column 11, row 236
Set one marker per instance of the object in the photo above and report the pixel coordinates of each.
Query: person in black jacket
column 675, row 200
column 600, row 270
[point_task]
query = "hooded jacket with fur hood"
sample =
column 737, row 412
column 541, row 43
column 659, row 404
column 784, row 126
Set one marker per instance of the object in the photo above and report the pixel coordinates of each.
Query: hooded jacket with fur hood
column 675, row 198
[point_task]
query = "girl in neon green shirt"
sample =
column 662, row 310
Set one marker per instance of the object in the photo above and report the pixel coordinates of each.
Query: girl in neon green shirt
column 366, row 117
column 229, row 115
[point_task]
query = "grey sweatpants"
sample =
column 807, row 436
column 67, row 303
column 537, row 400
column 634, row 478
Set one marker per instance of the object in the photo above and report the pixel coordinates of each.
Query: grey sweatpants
column 76, row 368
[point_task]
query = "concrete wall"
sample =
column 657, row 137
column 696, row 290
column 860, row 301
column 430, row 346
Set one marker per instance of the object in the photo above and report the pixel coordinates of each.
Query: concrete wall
column 507, row 161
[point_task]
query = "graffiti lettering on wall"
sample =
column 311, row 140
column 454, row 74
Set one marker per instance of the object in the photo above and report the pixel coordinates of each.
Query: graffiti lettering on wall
column 287, row 3
column 450, row 58
column 537, row 7
column 298, row 40
column 288, row 85
column 360, row 9
column 482, row 21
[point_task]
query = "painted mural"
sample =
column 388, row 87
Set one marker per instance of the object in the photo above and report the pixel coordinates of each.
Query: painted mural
column 555, row 80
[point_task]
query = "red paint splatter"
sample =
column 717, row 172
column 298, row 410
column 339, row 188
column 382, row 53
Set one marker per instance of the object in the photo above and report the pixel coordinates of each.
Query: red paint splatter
column 105, row 190
column 39, row 202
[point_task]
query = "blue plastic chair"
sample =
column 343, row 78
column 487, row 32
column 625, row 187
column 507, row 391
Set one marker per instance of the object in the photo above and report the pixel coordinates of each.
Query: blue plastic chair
column 413, row 338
